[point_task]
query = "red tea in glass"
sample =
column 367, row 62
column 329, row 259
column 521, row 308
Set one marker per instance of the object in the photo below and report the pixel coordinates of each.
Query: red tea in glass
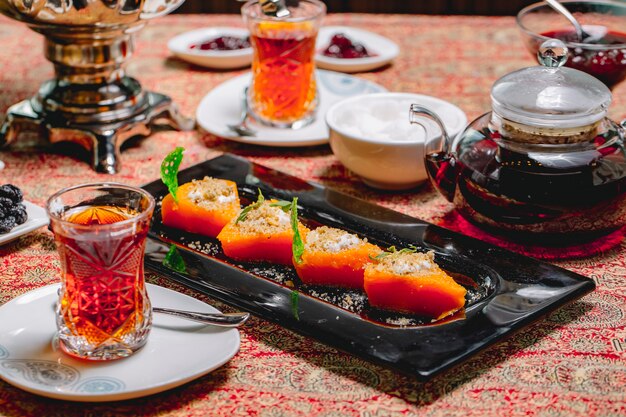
column 283, row 92
column 103, row 311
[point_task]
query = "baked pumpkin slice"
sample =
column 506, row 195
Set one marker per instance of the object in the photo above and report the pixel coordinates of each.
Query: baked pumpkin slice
column 411, row 282
column 334, row 257
column 203, row 206
column 261, row 232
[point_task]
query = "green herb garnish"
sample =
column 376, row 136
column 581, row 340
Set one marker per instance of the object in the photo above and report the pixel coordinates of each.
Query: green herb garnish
column 244, row 213
column 295, row 297
column 393, row 249
column 297, row 246
column 283, row 205
column 173, row 260
column 169, row 170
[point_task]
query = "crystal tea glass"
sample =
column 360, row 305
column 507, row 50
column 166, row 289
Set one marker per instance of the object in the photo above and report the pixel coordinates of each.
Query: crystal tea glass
column 103, row 312
column 283, row 91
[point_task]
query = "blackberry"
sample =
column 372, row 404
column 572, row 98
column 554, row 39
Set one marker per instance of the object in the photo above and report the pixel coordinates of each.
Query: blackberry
column 12, row 211
column 6, row 203
column 7, row 224
column 19, row 212
column 11, row 192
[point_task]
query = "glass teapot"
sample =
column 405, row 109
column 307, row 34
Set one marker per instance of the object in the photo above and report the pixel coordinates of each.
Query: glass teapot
column 545, row 161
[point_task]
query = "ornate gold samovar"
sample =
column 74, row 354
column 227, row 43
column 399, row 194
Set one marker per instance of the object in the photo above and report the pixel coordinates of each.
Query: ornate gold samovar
column 91, row 102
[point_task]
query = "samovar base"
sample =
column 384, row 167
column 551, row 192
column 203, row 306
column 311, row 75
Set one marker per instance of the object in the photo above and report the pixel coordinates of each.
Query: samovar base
column 91, row 101
column 27, row 126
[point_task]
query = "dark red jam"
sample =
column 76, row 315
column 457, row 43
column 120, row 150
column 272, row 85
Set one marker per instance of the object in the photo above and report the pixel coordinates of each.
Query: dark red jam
column 609, row 66
column 223, row 43
column 343, row 47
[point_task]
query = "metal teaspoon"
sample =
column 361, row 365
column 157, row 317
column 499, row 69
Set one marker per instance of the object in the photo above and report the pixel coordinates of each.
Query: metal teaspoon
column 215, row 319
column 580, row 32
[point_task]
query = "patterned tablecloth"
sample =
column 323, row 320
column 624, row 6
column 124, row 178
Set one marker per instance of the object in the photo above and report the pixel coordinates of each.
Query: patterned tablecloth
column 573, row 363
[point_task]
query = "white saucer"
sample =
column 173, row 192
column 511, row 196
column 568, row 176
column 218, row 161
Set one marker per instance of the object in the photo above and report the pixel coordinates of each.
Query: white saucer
column 384, row 50
column 222, row 106
column 37, row 218
column 177, row 351
column 180, row 46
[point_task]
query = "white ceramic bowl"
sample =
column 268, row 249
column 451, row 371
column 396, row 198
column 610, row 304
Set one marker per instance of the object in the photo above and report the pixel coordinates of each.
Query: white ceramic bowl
column 384, row 50
column 180, row 46
column 370, row 148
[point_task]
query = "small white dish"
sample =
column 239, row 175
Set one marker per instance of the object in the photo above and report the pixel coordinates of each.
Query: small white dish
column 37, row 217
column 222, row 107
column 180, row 46
column 383, row 49
column 177, row 351
column 372, row 136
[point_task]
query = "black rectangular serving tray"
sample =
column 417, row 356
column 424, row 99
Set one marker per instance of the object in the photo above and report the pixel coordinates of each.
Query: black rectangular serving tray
column 506, row 291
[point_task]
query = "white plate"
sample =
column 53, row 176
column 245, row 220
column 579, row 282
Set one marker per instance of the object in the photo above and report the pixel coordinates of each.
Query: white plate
column 222, row 106
column 177, row 351
column 180, row 46
column 37, row 218
column 384, row 49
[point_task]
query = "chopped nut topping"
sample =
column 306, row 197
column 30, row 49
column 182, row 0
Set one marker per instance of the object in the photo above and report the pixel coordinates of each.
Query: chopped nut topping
column 329, row 239
column 211, row 192
column 403, row 263
column 266, row 219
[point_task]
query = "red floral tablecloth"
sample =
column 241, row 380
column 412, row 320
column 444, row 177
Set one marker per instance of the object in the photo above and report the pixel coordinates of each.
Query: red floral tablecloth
column 573, row 363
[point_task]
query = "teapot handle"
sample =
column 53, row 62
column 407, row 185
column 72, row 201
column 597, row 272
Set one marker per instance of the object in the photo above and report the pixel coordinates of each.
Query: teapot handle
column 417, row 110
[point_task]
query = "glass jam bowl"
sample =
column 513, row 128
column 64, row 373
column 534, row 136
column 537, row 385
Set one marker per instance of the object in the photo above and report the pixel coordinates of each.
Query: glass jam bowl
column 604, row 57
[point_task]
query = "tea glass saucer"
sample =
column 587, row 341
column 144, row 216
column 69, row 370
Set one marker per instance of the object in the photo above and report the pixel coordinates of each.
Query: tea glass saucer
column 37, row 218
column 177, row 351
column 222, row 107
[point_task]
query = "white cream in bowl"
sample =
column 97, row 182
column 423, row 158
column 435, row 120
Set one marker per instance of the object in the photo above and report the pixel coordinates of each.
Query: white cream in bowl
column 372, row 136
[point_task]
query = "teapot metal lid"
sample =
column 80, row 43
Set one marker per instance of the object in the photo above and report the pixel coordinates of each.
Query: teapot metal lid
column 550, row 95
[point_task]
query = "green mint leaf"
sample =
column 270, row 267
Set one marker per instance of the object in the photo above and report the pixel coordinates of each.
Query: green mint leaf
column 173, row 260
column 169, row 170
column 244, row 213
column 297, row 246
column 392, row 249
column 379, row 256
column 295, row 297
column 410, row 249
column 283, row 205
